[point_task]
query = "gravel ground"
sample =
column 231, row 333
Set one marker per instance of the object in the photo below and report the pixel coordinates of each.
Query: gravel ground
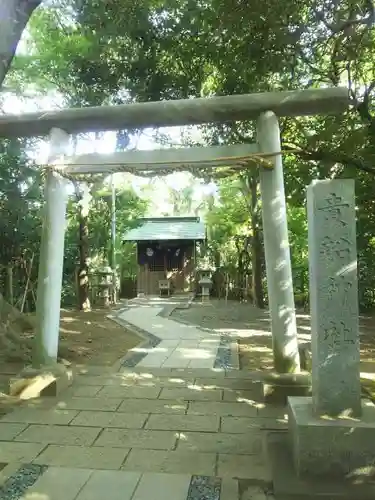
column 15, row 487
column 204, row 488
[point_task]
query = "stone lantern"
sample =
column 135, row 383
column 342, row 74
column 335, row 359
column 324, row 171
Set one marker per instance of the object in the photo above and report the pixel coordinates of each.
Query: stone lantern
column 106, row 283
column 206, row 284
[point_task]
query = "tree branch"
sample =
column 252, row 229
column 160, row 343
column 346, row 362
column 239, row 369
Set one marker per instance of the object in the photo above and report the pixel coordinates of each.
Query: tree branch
column 337, row 157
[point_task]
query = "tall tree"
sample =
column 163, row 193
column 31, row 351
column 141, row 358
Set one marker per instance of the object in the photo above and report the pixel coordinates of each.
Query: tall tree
column 14, row 16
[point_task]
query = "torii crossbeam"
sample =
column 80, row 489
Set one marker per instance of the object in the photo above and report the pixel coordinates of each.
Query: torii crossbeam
column 264, row 107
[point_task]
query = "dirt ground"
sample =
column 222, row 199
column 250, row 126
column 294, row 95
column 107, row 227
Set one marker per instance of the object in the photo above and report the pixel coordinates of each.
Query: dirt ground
column 86, row 338
column 251, row 327
column 93, row 339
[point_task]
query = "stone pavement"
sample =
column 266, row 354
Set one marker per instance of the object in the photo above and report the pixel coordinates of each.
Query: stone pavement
column 162, row 421
column 170, row 344
column 194, row 434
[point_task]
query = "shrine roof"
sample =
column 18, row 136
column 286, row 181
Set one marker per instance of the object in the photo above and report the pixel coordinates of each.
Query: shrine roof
column 167, row 228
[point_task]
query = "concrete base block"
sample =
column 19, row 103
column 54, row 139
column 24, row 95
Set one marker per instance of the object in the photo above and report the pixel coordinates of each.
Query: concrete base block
column 46, row 381
column 330, row 446
column 287, row 485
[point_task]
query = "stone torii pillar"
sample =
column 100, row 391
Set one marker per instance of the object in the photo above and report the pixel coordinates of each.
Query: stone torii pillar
column 51, row 256
column 276, row 245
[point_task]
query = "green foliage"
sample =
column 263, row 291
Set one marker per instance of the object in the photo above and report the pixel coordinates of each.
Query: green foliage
column 227, row 219
column 99, row 51
column 20, row 223
column 129, row 208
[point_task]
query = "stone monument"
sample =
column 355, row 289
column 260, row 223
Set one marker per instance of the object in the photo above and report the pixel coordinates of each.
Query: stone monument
column 333, row 432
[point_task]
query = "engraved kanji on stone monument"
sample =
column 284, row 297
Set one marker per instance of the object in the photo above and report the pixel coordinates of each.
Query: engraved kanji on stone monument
column 333, row 297
column 333, row 249
column 337, row 333
column 333, row 208
column 338, row 284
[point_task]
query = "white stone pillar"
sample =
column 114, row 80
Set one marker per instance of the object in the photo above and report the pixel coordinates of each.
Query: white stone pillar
column 276, row 245
column 51, row 256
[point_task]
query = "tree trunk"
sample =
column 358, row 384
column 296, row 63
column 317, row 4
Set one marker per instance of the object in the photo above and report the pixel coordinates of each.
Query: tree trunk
column 217, row 259
column 83, row 277
column 14, row 16
column 256, row 263
column 9, row 282
column 256, row 245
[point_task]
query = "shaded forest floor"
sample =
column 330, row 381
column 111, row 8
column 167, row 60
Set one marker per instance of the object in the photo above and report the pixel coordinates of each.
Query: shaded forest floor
column 91, row 338
column 86, row 338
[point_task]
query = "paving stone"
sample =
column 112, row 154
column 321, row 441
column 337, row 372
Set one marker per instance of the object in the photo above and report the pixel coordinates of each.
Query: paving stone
column 104, row 404
column 9, row 430
column 204, row 363
column 240, row 395
column 242, row 466
column 98, row 370
column 82, row 457
column 130, row 438
column 250, row 443
column 152, row 406
column 58, row 484
column 199, row 372
column 158, row 486
column 237, row 409
column 120, row 485
column 238, row 425
column 184, row 422
column 193, row 393
column 97, row 380
column 135, row 392
column 229, row 489
column 145, row 373
column 172, row 462
column 229, row 383
column 36, row 416
column 110, row 419
column 175, row 381
column 19, row 452
column 83, row 390
column 59, row 434
column 257, row 492
column 270, row 411
column 175, row 360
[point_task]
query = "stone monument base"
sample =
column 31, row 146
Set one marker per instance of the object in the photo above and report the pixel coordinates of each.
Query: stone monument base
column 330, row 446
column 287, row 485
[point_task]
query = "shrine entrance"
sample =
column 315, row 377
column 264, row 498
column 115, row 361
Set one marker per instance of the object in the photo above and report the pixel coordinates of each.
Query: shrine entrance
column 265, row 153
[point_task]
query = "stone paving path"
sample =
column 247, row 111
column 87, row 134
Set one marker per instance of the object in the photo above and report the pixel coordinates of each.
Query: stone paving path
column 144, row 432
column 197, row 434
column 170, row 343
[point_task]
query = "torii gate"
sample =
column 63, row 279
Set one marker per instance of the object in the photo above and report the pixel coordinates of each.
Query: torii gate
column 265, row 107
